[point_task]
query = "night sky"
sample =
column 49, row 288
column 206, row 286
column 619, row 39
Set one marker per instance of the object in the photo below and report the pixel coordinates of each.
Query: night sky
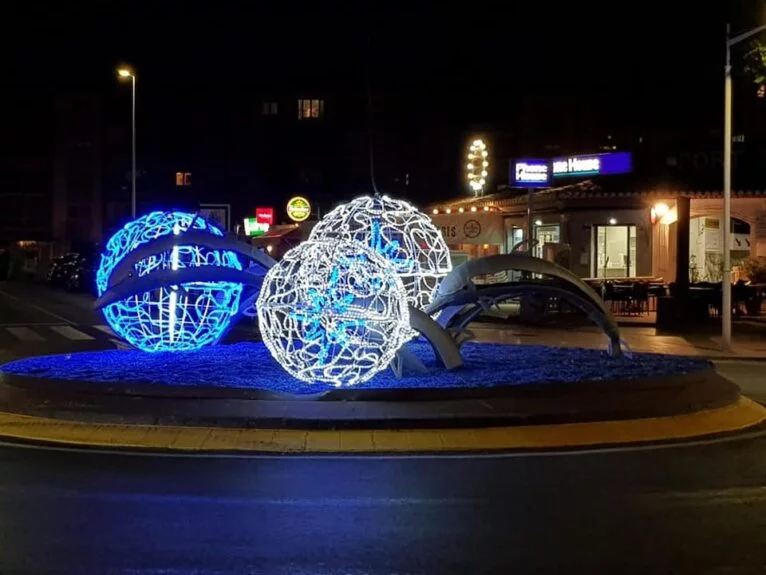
column 630, row 65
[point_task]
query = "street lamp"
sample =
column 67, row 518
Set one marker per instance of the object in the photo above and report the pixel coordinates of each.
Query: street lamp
column 726, row 284
column 126, row 73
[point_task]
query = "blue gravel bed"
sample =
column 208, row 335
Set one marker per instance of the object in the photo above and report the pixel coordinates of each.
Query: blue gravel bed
column 249, row 365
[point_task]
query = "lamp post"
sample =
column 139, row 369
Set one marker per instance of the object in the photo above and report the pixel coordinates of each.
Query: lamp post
column 727, row 119
column 126, row 73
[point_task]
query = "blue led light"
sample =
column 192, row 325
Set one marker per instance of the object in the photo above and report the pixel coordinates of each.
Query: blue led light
column 180, row 317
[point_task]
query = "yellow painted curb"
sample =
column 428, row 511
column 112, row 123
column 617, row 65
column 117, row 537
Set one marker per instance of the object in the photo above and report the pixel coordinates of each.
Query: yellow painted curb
column 740, row 415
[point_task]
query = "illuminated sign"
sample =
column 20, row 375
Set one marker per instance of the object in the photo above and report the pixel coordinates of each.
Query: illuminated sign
column 593, row 165
column 530, row 173
column 264, row 216
column 298, row 209
column 255, row 228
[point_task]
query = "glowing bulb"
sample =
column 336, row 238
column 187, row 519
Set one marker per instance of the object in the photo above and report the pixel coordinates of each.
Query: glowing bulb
column 612, row 221
column 461, row 210
column 485, row 153
column 538, row 222
column 435, row 211
column 269, row 248
column 484, row 173
column 485, row 164
column 449, row 211
column 661, row 209
column 486, row 208
column 473, row 208
column 470, row 166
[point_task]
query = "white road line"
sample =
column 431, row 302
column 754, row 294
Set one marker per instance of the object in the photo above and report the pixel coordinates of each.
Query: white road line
column 24, row 334
column 71, row 333
column 105, row 329
column 37, row 307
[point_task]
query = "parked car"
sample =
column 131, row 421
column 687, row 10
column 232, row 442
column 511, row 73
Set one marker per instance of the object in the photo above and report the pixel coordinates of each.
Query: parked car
column 81, row 275
column 60, row 269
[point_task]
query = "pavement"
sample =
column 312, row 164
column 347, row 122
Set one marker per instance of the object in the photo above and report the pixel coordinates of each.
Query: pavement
column 694, row 508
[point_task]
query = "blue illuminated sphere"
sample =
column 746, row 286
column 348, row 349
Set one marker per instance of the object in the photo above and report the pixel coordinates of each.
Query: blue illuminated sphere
column 181, row 317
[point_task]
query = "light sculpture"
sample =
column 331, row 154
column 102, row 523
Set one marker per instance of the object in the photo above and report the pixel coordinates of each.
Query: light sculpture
column 400, row 233
column 477, row 167
column 333, row 311
column 173, row 317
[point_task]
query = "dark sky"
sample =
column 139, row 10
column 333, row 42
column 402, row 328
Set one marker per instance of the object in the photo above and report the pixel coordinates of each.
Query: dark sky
column 493, row 43
column 633, row 63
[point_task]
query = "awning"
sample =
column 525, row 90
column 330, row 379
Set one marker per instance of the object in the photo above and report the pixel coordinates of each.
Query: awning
column 278, row 232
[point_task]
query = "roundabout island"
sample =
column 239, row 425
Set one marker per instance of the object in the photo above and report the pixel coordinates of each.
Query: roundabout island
column 366, row 349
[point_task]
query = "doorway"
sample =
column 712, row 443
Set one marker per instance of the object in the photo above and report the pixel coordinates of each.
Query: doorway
column 615, row 251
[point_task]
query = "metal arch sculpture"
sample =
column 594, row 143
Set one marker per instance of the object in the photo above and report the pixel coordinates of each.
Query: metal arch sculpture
column 457, row 291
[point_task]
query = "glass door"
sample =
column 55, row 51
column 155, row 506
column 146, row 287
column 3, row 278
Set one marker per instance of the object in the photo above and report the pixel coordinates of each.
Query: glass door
column 615, row 251
column 546, row 234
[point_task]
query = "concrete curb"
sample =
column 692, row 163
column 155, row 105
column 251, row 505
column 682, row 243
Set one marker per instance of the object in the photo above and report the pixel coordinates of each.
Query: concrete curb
column 733, row 418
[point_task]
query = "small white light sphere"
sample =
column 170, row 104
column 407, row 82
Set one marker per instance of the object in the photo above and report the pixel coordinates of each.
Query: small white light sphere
column 400, row 233
column 333, row 311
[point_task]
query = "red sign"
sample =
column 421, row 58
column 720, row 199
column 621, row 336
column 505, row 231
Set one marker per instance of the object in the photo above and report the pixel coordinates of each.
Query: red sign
column 264, row 216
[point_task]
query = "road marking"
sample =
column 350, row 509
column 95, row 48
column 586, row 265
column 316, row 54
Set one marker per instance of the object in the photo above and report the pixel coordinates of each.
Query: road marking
column 71, row 333
column 25, row 334
column 37, row 307
column 105, row 329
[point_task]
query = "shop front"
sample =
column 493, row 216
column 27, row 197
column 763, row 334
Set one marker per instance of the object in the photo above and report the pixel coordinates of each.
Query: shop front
column 471, row 234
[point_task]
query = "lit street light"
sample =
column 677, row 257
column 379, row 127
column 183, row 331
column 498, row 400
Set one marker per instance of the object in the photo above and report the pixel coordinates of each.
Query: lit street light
column 126, row 73
column 726, row 284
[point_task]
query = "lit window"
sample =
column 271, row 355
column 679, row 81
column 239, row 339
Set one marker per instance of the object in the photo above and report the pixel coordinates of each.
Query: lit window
column 270, row 108
column 310, row 109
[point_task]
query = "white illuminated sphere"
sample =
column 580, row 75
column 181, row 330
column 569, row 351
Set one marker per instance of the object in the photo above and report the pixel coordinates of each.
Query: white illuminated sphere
column 399, row 232
column 333, row 312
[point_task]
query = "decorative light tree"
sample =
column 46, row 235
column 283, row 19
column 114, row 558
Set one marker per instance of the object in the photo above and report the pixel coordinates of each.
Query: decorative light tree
column 400, row 233
column 477, row 167
column 333, row 311
column 175, row 316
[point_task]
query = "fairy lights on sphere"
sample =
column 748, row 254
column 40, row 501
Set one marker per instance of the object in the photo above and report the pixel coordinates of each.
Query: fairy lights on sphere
column 477, row 166
column 333, row 312
column 174, row 317
column 397, row 231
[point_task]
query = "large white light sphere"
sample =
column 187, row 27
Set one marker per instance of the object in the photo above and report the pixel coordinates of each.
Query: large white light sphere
column 399, row 232
column 334, row 312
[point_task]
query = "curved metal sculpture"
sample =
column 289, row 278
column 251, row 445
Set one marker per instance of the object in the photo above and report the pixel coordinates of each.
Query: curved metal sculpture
column 457, row 291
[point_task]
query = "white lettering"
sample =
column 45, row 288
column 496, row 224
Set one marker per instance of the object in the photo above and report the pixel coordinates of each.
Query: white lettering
column 531, row 172
column 577, row 165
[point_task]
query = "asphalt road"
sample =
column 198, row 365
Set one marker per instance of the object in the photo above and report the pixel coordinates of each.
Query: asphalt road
column 682, row 510
column 693, row 509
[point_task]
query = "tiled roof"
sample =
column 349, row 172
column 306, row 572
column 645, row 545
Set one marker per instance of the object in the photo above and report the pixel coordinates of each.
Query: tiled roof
column 586, row 190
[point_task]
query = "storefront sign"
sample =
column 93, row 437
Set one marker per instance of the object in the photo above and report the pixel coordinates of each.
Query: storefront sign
column 470, row 228
column 264, row 216
column 298, row 209
column 255, row 228
column 530, row 173
column 593, row 165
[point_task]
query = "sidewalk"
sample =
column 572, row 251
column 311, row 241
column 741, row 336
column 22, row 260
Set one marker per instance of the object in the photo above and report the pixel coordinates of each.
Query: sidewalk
column 640, row 339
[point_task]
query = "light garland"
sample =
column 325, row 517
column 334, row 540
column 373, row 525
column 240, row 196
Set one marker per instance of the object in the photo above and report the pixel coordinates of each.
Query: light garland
column 400, row 233
column 175, row 317
column 477, row 168
column 333, row 311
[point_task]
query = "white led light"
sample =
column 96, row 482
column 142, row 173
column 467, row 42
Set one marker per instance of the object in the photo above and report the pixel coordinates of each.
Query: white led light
column 477, row 168
column 400, row 233
column 333, row 311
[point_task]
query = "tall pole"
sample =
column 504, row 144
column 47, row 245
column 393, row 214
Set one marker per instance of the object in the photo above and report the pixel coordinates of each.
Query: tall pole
column 726, row 280
column 133, row 168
